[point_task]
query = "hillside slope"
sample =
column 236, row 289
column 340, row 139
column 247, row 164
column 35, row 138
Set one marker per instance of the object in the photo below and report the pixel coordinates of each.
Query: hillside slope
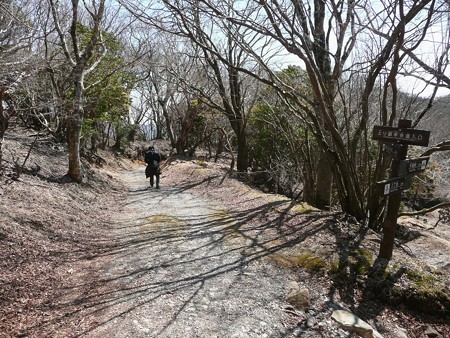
column 56, row 236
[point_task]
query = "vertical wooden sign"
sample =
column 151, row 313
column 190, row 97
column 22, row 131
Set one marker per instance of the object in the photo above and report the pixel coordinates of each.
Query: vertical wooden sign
column 396, row 140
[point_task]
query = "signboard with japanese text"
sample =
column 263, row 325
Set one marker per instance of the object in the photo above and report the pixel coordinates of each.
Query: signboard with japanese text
column 395, row 141
column 394, row 185
column 412, row 166
column 401, row 135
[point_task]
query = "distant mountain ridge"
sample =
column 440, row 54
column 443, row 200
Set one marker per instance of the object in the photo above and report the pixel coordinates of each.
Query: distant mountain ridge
column 437, row 120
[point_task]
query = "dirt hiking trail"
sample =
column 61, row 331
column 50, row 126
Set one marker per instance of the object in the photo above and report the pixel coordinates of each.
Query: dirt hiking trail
column 183, row 266
column 207, row 255
column 173, row 273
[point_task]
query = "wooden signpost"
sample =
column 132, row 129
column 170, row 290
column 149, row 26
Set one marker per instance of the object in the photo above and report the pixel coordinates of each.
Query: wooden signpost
column 395, row 184
column 402, row 135
column 413, row 166
column 395, row 144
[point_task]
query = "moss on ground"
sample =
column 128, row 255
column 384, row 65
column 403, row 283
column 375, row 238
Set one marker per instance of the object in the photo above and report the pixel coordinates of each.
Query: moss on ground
column 202, row 163
column 307, row 260
column 163, row 219
column 165, row 224
column 420, row 291
column 299, row 208
column 360, row 261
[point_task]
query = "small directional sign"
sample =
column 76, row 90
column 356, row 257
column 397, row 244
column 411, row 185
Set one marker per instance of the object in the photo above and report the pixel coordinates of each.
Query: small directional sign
column 401, row 135
column 413, row 165
column 394, row 185
column 395, row 142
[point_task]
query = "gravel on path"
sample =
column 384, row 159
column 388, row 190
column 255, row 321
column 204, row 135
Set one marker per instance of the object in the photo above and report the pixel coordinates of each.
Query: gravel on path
column 175, row 273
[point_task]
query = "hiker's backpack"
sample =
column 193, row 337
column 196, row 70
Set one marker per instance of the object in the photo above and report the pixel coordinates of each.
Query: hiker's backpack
column 151, row 158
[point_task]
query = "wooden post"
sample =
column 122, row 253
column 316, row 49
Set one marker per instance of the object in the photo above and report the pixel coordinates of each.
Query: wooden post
column 396, row 140
column 393, row 205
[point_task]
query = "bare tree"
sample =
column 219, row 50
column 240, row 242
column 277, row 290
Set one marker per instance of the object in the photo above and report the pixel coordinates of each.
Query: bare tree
column 80, row 58
column 354, row 54
column 18, row 33
column 217, row 51
column 342, row 46
column 162, row 97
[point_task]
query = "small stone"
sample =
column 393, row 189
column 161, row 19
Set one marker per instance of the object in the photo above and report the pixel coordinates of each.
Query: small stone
column 355, row 324
column 399, row 332
column 432, row 333
column 299, row 298
column 310, row 321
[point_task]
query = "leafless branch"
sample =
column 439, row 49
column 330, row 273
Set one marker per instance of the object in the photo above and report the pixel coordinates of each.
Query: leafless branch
column 442, row 205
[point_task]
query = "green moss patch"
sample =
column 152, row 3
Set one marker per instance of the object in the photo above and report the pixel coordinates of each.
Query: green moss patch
column 299, row 208
column 360, row 261
column 162, row 219
column 420, row 291
column 165, row 224
column 202, row 163
column 306, row 260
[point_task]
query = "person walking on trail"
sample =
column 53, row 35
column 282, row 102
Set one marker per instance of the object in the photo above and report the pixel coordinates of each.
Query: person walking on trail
column 153, row 170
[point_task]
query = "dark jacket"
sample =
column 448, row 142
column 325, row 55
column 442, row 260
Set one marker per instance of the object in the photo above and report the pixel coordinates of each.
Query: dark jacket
column 152, row 159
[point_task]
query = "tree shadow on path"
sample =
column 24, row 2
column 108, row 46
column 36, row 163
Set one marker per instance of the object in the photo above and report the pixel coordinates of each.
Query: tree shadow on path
column 179, row 252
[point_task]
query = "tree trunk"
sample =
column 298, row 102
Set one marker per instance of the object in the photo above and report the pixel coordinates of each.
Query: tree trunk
column 3, row 127
column 168, row 121
column 4, row 118
column 348, row 187
column 324, row 177
column 220, row 146
column 187, row 125
column 74, row 126
column 242, row 152
column 79, row 60
column 309, row 178
column 94, row 138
